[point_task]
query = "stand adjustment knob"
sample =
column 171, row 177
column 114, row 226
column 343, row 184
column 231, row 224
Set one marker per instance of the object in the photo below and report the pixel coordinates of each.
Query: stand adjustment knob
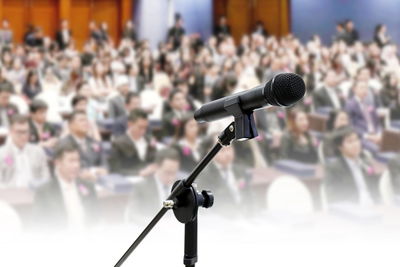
column 208, row 199
column 168, row 204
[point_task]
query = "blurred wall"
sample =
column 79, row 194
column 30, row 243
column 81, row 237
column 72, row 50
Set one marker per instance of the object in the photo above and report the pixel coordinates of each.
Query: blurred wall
column 310, row 17
column 154, row 17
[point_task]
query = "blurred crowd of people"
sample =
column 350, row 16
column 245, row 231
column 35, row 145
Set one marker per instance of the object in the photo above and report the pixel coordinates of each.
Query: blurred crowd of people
column 72, row 118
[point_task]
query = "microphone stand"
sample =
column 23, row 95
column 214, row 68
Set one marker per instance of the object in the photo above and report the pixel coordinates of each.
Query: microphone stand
column 185, row 199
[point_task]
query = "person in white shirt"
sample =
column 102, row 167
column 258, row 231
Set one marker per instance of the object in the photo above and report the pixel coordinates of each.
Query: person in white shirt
column 148, row 195
column 22, row 164
column 350, row 177
column 67, row 201
column 133, row 153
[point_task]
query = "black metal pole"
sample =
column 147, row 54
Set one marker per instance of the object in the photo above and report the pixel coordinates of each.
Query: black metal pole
column 190, row 257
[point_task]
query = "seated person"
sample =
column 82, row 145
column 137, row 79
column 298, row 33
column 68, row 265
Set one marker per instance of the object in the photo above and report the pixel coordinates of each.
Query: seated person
column 132, row 153
column 227, row 181
column 337, row 119
column 188, row 144
column 173, row 117
column 116, row 105
column 363, row 115
column 91, row 156
column 350, row 177
column 67, row 200
column 147, row 197
column 41, row 132
column 297, row 143
column 132, row 102
column 327, row 96
column 22, row 164
column 7, row 110
column 394, row 170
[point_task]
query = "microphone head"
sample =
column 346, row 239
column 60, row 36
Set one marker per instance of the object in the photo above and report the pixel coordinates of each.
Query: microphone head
column 285, row 89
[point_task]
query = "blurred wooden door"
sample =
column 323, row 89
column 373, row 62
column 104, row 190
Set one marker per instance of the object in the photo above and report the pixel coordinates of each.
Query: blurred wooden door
column 16, row 12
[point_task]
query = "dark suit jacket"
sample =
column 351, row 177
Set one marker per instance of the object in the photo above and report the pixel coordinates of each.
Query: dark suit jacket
column 358, row 119
column 124, row 158
column 224, row 203
column 340, row 185
column 144, row 200
column 92, row 157
column 62, row 44
column 291, row 149
column 187, row 160
column 11, row 110
column 322, row 99
column 50, row 210
column 394, row 169
column 117, row 107
column 49, row 131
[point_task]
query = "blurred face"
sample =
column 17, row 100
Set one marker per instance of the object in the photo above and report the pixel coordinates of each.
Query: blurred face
column 138, row 128
column 69, row 166
column 134, row 103
column 39, row 116
column 342, row 119
column 4, row 98
column 351, row 146
column 301, row 122
column 364, row 75
column 178, row 101
column 167, row 171
column 20, row 134
column 81, row 106
column 226, row 156
column 361, row 90
column 191, row 129
column 79, row 125
column 124, row 89
column 330, row 79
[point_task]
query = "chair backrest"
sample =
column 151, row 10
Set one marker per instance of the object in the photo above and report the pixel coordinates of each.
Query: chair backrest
column 390, row 141
column 288, row 194
column 10, row 222
column 317, row 122
column 386, row 188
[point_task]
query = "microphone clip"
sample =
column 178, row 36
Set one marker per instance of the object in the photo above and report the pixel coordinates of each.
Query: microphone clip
column 244, row 121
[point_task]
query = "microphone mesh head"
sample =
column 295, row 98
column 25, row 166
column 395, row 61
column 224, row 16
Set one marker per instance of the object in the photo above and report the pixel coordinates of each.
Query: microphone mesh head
column 288, row 88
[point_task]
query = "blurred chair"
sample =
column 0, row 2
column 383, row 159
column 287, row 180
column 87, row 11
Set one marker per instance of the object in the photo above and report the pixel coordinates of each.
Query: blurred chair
column 386, row 189
column 317, row 122
column 287, row 194
column 390, row 141
column 10, row 222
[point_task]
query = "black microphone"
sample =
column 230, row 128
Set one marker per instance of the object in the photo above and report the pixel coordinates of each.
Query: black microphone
column 283, row 90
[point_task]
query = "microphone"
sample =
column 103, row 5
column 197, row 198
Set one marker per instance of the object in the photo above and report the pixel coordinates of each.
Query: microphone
column 283, row 90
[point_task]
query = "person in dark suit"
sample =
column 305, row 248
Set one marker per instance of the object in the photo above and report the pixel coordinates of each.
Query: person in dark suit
column 260, row 29
column 222, row 29
column 175, row 113
column 132, row 153
column 176, row 33
column 7, row 110
column 327, row 96
column 67, row 200
column 351, row 35
column 91, row 156
column 64, row 35
column 147, row 197
column 350, row 177
column 130, row 31
column 132, row 102
column 188, row 143
column 228, row 182
column 394, row 170
column 363, row 115
column 41, row 132
column 297, row 142
column 116, row 105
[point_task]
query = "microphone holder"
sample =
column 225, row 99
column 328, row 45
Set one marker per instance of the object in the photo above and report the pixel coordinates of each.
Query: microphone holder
column 185, row 199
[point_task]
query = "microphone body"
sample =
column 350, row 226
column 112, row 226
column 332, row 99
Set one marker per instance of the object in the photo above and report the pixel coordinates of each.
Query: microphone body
column 283, row 90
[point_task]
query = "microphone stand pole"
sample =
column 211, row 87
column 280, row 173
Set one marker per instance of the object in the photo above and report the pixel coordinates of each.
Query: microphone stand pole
column 185, row 200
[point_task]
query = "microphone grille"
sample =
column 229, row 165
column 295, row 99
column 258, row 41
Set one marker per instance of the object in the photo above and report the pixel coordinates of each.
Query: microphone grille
column 288, row 88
